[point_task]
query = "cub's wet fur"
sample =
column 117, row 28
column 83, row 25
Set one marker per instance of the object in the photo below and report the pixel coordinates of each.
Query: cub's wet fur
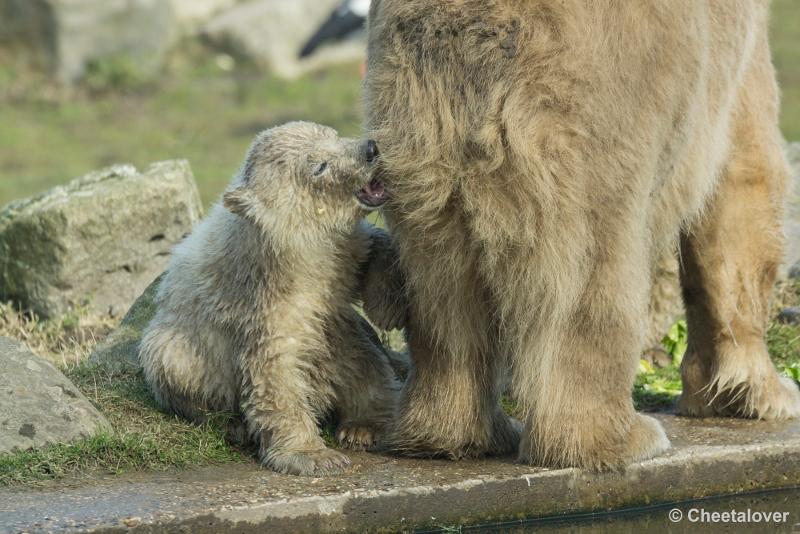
column 255, row 311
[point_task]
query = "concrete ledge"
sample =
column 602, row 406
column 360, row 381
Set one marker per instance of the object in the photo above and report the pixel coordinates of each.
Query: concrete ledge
column 709, row 457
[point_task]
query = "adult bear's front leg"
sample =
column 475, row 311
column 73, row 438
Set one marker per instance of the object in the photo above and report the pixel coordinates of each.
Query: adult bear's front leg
column 575, row 358
column 450, row 403
column 449, row 406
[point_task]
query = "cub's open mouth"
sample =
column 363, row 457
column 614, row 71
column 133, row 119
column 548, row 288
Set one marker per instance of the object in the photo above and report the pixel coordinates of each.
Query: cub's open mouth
column 372, row 195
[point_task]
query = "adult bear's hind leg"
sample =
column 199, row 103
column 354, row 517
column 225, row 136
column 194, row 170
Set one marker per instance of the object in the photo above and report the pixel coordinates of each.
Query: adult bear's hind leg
column 450, row 407
column 729, row 262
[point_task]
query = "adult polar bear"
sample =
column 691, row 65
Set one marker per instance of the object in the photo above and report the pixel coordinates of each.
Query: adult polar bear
column 542, row 154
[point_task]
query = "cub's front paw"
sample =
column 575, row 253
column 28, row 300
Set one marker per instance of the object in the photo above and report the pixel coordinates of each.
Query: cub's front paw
column 306, row 463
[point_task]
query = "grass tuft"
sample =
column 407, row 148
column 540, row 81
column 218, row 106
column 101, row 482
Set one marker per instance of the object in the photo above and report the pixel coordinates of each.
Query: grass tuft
column 112, row 454
column 63, row 340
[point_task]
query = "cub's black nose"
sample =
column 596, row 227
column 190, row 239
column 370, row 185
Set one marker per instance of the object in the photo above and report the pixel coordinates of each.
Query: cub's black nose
column 371, row 151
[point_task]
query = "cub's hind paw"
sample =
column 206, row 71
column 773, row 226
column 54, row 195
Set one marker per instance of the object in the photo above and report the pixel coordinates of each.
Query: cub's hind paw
column 306, row 463
column 356, row 436
column 506, row 433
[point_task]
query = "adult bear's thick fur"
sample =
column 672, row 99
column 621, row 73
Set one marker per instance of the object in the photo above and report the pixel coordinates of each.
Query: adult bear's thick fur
column 541, row 154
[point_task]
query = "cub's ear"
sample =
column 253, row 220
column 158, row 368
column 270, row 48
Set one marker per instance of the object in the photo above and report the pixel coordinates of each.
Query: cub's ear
column 245, row 201
column 237, row 201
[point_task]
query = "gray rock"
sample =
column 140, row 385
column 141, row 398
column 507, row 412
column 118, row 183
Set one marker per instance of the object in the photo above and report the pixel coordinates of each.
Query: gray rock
column 39, row 405
column 794, row 271
column 191, row 15
column 101, row 239
column 64, row 36
column 120, row 350
column 270, row 33
column 789, row 316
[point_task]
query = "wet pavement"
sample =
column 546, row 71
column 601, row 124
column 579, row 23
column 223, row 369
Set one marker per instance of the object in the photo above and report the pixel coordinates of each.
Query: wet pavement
column 381, row 493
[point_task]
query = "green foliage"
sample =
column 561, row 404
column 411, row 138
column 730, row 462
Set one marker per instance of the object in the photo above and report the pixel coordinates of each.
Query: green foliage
column 784, row 343
column 658, row 388
column 676, row 341
column 793, row 371
column 119, row 73
column 784, row 346
column 654, row 388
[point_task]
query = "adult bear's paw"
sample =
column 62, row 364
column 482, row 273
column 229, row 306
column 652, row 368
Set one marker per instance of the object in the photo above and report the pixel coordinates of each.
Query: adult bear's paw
column 746, row 384
column 646, row 439
column 417, row 438
column 596, row 446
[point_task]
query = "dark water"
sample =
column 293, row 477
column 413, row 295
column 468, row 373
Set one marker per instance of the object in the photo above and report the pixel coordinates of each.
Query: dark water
column 694, row 516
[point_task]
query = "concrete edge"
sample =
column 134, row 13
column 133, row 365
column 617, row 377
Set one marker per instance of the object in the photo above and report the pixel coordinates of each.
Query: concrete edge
column 690, row 474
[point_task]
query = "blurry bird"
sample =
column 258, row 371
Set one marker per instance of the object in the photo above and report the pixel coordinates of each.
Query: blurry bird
column 347, row 18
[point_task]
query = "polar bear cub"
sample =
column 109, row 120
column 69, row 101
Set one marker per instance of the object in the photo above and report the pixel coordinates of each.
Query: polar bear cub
column 255, row 310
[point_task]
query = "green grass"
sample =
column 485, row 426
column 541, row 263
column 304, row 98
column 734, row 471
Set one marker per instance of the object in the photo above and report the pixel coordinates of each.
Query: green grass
column 656, row 388
column 143, row 437
column 785, row 42
column 197, row 111
column 113, row 454
column 204, row 112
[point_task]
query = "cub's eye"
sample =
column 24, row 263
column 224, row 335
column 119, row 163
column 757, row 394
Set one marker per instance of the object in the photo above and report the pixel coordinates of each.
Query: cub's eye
column 320, row 169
